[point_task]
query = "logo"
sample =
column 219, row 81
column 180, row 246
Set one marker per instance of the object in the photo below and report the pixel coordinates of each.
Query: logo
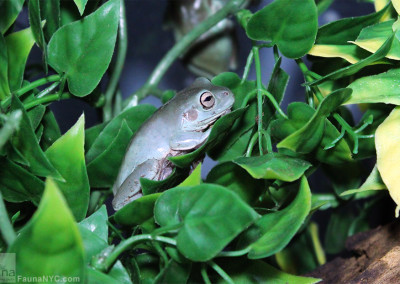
column 7, row 268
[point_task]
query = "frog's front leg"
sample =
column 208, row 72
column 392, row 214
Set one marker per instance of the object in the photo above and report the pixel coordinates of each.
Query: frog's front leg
column 189, row 140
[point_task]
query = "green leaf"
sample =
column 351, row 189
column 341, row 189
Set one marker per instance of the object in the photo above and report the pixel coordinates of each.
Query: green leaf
column 167, row 205
column 194, row 178
column 277, row 85
column 10, row 126
column 211, row 217
column 35, row 21
column 26, row 143
column 372, row 38
column 236, row 179
column 92, row 133
column 244, row 271
column 273, row 166
column 137, row 212
column 9, row 13
column 19, row 45
column 273, row 231
column 373, row 182
column 50, row 11
column 217, row 135
column 177, row 176
column 75, row 49
column 4, row 87
column 51, row 238
column 294, row 33
column 236, row 141
column 81, row 5
column 17, row 184
column 35, row 115
column 174, row 272
column 350, row 53
column 68, row 157
column 51, row 130
column 381, row 88
column 345, row 30
column 309, row 136
column 352, row 69
column 97, row 223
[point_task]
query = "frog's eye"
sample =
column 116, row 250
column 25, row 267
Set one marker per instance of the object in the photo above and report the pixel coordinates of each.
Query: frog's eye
column 207, row 100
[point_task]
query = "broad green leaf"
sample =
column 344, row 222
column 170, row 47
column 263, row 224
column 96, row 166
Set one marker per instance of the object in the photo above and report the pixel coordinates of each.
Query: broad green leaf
column 211, row 216
column 51, row 238
column 92, row 133
column 323, row 5
column 194, row 178
column 350, row 53
column 134, row 117
column 50, row 11
column 97, row 223
column 174, row 272
column 272, row 232
column 381, row 88
column 373, row 182
column 276, row 86
column 19, row 45
column 26, row 143
column 236, row 179
column 245, row 271
column 388, row 154
column 177, row 176
column 4, row 87
column 137, row 212
column 103, row 170
column 81, row 5
column 274, row 166
column 17, row 184
column 95, row 277
column 299, row 115
column 217, row 135
column 9, row 13
column 345, row 30
column 35, row 21
column 324, row 201
column 309, row 136
column 10, row 126
column 294, row 34
column 352, row 69
column 75, row 49
column 68, row 157
column 371, row 38
column 51, row 130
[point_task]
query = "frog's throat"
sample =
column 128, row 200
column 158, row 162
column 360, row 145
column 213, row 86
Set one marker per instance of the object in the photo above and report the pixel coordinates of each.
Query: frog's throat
column 203, row 125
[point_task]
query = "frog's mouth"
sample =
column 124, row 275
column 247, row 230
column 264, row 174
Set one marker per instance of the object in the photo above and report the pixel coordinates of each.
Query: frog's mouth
column 209, row 123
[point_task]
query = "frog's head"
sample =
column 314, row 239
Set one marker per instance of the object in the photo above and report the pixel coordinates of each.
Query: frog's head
column 204, row 104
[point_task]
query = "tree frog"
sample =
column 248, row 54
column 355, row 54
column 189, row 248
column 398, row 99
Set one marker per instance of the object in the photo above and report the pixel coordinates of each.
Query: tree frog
column 181, row 125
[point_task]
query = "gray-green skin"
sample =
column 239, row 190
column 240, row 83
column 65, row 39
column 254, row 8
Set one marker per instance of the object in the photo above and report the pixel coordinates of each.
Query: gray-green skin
column 180, row 126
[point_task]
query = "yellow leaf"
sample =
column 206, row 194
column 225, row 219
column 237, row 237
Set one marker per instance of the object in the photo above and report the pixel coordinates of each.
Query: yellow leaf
column 387, row 139
column 396, row 5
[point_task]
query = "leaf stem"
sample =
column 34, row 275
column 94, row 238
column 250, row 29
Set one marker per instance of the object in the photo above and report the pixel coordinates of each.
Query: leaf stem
column 180, row 47
column 47, row 99
column 234, row 253
column 246, row 71
column 105, row 260
column 37, row 83
column 7, row 230
column 204, row 274
column 221, row 272
column 119, row 64
column 259, row 96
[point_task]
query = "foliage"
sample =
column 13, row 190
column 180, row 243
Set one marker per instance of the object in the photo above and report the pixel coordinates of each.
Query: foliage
column 249, row 220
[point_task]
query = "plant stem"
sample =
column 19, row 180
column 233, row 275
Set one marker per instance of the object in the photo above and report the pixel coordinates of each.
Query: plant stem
column 106, row 261
column 259, row 96
column 48, row 90
column 234, row 253
column 47, row 99
column 180, row 47
column 37, row 83
column 204, row 274
column 247, row 67
column 221, row 272
column 119, row 64
column 7, row 230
